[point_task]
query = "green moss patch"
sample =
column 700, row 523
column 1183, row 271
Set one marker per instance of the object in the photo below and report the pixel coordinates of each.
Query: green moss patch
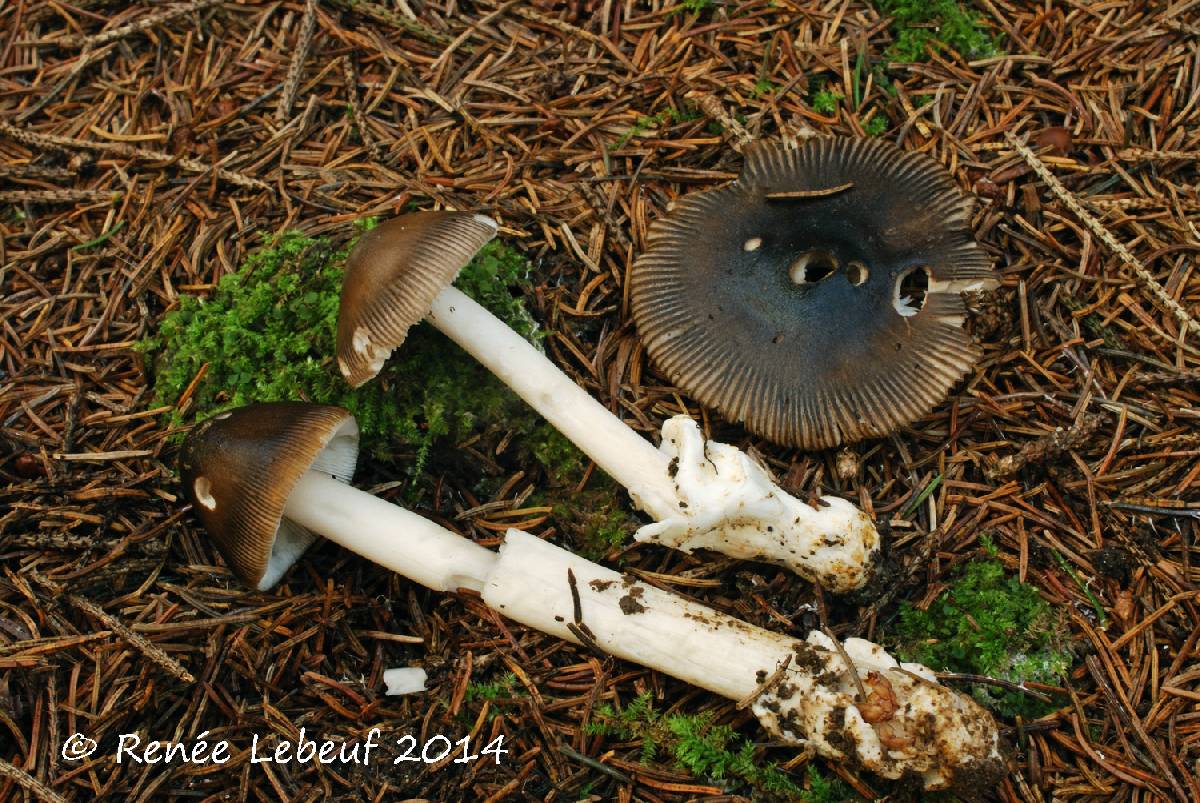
column 266, row 333
column 921, row 24
column 826, row 101
column 694, row 742
column 824, row 790
column 594, row 521
column 987, row 623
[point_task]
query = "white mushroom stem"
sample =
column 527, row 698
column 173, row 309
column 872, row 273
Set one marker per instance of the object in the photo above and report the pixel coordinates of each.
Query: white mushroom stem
column 803, row 692
column 391, row 536
column 629, row 619
column 701, row 494
column 626, row 456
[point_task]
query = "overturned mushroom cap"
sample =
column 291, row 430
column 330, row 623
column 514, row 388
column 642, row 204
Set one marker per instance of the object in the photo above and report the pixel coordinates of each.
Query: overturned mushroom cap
column 393, row 274
column 238, row 469
column 817, row 297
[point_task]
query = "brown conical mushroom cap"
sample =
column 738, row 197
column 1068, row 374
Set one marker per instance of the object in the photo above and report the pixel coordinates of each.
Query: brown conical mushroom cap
column 238, row 469
column 393, row 274
column 775, row 299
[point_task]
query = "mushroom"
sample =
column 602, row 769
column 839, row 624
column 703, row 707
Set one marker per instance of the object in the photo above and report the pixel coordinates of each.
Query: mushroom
column 263, row 479
column 701, row 495
column 817, row 298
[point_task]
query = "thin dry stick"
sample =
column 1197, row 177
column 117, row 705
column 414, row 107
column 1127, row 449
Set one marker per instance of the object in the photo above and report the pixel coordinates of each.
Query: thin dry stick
column 1105, row 236
column 28, row 782
column 140, row 25
column 296, row 69
column 87, row 57
column 389, row 17
column 1138, row 152
column 1136, row 203
column 67, row 196
column 987, row 680
column 1180, row 25
column 713, row 109
column 766, row 685
column 360, row 119
column 144, row 646
column 790, row 195
column 556, row 24
column 36, row 171
column 858, row 684
column 122, row 149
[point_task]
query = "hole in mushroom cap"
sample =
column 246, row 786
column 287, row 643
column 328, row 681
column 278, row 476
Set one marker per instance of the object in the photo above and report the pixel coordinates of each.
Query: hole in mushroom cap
column 902, row 211
column 753, row 244
column 812, row 266
column 203, row 489
column 911, row 289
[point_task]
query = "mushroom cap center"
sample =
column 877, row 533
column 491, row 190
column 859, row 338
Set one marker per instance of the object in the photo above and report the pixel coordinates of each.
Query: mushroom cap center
column 817, row 280
column 816, row 298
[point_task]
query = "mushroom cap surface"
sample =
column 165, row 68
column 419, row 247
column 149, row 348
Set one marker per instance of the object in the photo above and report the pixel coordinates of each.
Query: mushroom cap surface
column 776, row 299
column 238, row 469
column 393, row 274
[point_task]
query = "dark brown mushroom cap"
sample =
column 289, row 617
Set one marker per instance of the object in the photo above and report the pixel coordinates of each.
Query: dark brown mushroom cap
column 813, row 363
column 238, row 469
column 393, row 274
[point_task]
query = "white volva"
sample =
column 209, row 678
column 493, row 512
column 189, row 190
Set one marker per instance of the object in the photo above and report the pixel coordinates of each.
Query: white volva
column 701, row 495
column 729, row 504
column 806, row 693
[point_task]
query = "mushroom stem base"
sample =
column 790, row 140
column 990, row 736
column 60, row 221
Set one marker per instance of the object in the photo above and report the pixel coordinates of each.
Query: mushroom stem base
column 802, row 691
column 729, row 504
column 701, row 495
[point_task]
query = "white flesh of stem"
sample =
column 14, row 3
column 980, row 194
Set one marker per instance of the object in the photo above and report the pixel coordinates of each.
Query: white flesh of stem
column 625, row 455
column 530, row 581
column 920, row 726
column 391, row 536
column 734, row 508
column 671, row 634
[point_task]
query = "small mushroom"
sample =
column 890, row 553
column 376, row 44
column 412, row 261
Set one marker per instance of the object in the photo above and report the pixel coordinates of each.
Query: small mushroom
column 263, row 479
column 715, row 497
column 394, row 274
column 400, row 273
column 817, row 298
column 263, row 473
